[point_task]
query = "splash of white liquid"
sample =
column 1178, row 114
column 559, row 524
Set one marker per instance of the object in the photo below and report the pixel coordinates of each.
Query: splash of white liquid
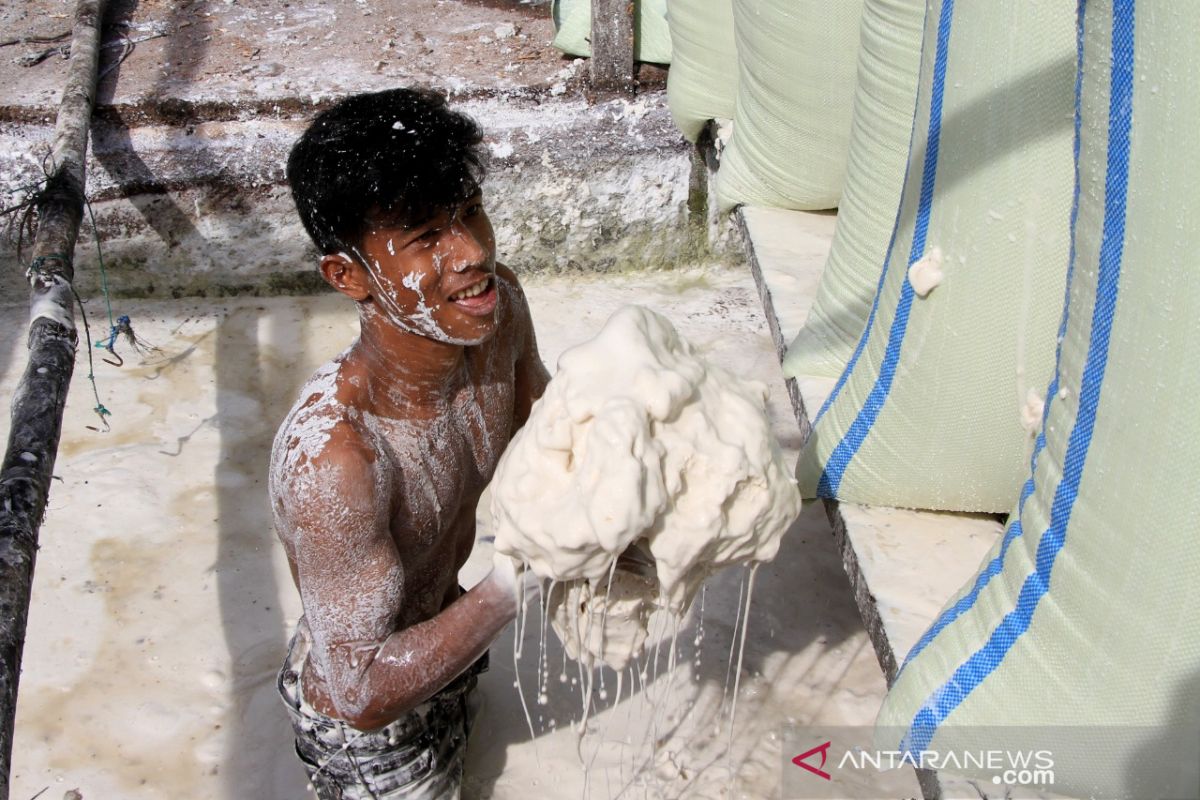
column 737, row 681
column 518, row 637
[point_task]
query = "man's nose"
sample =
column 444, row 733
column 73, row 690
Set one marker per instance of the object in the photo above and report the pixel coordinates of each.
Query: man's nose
column 469, row 249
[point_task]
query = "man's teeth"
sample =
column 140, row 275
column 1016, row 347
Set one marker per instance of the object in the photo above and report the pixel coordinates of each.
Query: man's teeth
column 470, row 291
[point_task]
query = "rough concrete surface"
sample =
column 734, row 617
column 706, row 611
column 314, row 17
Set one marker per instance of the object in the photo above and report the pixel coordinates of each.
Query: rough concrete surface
column 200, row 101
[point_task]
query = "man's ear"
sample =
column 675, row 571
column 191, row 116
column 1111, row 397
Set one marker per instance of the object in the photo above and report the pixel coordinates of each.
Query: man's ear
column 346, row 275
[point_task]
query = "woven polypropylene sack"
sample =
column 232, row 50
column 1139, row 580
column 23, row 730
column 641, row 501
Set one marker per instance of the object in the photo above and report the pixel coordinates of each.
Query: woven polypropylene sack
column 702, row 83
column 651, row 39
column 889, row 64
column 938, row 404
column 1087, row 612
column 796, row 67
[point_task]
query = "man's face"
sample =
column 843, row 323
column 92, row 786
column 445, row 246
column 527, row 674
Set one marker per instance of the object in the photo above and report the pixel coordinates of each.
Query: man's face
column 437, row 278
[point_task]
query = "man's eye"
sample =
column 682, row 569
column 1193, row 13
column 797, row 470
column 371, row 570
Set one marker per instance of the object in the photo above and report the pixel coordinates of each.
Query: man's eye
column 474, row 209
column 429, row 235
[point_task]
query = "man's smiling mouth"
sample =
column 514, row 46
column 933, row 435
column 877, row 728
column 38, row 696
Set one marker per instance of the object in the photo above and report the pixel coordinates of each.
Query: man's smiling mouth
column 471, row 291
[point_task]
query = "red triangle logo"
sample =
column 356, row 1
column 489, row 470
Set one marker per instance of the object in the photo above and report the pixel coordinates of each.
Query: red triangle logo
column 823, row 749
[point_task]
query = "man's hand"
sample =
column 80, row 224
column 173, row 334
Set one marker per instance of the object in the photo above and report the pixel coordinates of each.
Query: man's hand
column 515, row 579
column 637, row 559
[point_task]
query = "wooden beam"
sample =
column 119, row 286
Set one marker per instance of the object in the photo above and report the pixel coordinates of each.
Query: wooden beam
column 612, row 46
column 37, row 405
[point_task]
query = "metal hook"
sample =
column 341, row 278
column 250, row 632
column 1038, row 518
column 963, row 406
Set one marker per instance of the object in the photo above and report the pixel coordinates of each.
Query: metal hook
column 120, row 362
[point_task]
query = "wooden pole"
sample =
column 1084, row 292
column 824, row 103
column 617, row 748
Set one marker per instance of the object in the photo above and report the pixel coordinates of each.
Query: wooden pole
column 37, row 406
column 612, row 46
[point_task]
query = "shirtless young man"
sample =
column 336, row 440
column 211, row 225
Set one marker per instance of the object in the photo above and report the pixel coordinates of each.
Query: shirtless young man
column 376, row 472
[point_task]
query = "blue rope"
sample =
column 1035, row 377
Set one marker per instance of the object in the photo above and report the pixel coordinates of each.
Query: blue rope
column 122, row 323
column 100, row 258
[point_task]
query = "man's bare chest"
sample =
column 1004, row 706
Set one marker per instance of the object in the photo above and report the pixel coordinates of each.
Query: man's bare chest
column 440, row 465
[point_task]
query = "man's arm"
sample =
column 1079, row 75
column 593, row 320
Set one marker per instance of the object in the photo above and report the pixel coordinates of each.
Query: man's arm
column 353, row 585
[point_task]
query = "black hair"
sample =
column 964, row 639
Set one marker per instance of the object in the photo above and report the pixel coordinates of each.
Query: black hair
column 399, row 156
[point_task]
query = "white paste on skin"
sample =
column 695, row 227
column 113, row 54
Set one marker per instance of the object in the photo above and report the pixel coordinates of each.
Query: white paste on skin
column 638, row 437
column 424, row 317
column 926, row 274
column 296, row 477
column 436, row 461
column 422, row 322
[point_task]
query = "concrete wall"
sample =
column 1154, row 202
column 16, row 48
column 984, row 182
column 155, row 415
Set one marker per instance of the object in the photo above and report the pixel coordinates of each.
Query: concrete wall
column 190, row 199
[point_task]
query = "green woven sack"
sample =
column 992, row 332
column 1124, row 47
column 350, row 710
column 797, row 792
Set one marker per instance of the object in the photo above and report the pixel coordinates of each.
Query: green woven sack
column 791, row 128
column 702, row 83
column 651, row 39
column 889, row 65
column 939, row 402
column 1081, row 631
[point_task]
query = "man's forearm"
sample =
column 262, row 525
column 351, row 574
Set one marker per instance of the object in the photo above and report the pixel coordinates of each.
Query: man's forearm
column 413, row 664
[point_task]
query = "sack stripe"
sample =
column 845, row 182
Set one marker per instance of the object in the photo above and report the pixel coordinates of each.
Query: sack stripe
column 1015, row 529
column 856, row 434
column 887, row 260
column 984, row 661
column 994, row 567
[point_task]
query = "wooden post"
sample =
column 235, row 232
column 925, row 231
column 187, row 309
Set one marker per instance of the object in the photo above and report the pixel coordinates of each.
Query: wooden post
column 612, row 46
column 37, row 405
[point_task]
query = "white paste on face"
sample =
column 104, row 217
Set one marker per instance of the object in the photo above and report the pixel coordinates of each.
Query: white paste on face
column 387, row 296
column 926, row 274
column 424, row 316
column 422, row 322
column 638, row 437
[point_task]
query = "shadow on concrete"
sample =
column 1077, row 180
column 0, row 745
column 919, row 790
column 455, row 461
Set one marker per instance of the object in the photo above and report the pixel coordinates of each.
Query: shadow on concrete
column 528, row 8
column 250, row 401
column 12, row 352
column 248, row 593
column 112, row 144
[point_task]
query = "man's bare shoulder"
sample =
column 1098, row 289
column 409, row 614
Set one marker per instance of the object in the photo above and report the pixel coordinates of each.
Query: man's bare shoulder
column 515, row 322
column 529, row 374
column 510, row 287
column 505, row 273
column 322, row 449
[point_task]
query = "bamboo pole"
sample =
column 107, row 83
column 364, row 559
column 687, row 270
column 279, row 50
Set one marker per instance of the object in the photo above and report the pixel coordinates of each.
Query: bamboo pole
column 37, row 405
column 612, row 46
